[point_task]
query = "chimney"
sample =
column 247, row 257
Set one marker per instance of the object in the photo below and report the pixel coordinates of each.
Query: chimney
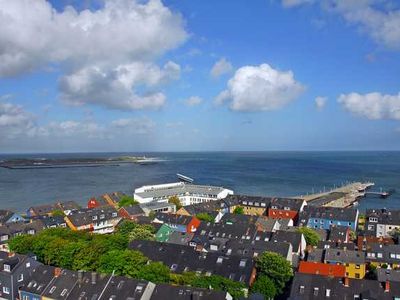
column 57, row 272
column 80, row 276
column 94, row 277
column 346, row 282
column 387, row 286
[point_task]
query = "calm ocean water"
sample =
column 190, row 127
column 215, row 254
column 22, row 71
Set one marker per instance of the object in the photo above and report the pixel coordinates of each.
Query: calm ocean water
column 253, row 173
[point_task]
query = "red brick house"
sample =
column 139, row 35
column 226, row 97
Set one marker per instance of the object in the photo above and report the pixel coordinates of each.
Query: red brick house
column 131, row 212
column 285, row 208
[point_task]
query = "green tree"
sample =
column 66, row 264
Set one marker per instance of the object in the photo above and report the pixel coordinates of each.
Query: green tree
column 265, row 286
column 219, row 283
column 155, row 272
column 205, row 217
column 126, row 201
column 21, row 244
column 311, row 236
column 239, row 210
column 175, row 200
column 123, row 262
column 126, row 227
column 142, row 233
column 276, row 267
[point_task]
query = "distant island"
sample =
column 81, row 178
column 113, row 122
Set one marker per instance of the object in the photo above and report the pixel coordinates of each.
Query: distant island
column 25, row 163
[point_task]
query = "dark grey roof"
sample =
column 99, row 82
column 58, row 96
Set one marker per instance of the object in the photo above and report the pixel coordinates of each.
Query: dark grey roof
column 125, row 289
column 52, row 221
column 206, row 207
column 134, row 210
column 292, row 237
column 13, row 229
column 310, row 286
column 338, row 233
column 169, row 218
column 181, row 258
column 61, row 285
column 180, row 238
column 245, row 200
column 344, row 256
column 86, row 288
column 85, row 216
column 226, row 229
column 288, row 203
column 255, row 247
column 330, row 213
column 388, row 274
column 164, row 291
column 383, row 253
column 316, row 255
column 385, row 216
column 39, row 278
column 344, row 246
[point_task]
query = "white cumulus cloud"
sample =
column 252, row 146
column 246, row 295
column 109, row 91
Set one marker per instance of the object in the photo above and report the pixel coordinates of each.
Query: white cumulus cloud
column 14, row 120
column 320, row 102
column 193, row 101
column 373, row 106
column 379, row 19
column 92, row 47
column 260, row 88
column 221, row 67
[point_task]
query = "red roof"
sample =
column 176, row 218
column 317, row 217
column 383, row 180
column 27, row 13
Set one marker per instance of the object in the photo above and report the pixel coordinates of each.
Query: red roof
column 310, row 267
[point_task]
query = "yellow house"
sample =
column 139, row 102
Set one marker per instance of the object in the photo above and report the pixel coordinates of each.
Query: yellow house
column 355, row 270
column 354, row 261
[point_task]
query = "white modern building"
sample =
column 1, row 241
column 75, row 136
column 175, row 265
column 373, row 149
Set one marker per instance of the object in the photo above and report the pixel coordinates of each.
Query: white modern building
column 186, row 192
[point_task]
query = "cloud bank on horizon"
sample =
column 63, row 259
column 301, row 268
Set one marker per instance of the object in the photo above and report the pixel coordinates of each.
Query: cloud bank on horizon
column 112, row 76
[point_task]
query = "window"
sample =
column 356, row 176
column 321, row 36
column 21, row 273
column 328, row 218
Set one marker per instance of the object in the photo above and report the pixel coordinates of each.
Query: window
column 6, row 290
column 4, row 238
column 114, row 214
column 373, row 219
column 328, row 293
column 301, row 289
column 20, row 277
column 220, row 260
column 242, row 263
column 357, row 266
column 64, row 292
column 53, row 288
column 7, row 268
column 379, row 255
column 316, row 291
column 357, row 275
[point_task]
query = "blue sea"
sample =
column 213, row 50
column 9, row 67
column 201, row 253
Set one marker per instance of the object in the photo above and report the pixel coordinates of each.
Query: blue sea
column 252, row 173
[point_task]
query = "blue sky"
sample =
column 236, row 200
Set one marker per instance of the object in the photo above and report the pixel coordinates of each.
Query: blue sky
column 199, row 75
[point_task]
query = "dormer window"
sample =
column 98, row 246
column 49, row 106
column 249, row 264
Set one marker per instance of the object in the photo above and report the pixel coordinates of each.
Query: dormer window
column 316, row 290
column 7, row 268
column 220, row 260
column 102, row 216
column 373, row 219
column 114, row 214
column 274, row 207
column 94, row 218
column 286, row 208
column 301, row 290
column 263, row 204
column 64, row 292
column 242, row 263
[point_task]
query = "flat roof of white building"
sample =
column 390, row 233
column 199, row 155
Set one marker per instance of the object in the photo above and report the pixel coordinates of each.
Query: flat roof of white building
column 167, row 190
